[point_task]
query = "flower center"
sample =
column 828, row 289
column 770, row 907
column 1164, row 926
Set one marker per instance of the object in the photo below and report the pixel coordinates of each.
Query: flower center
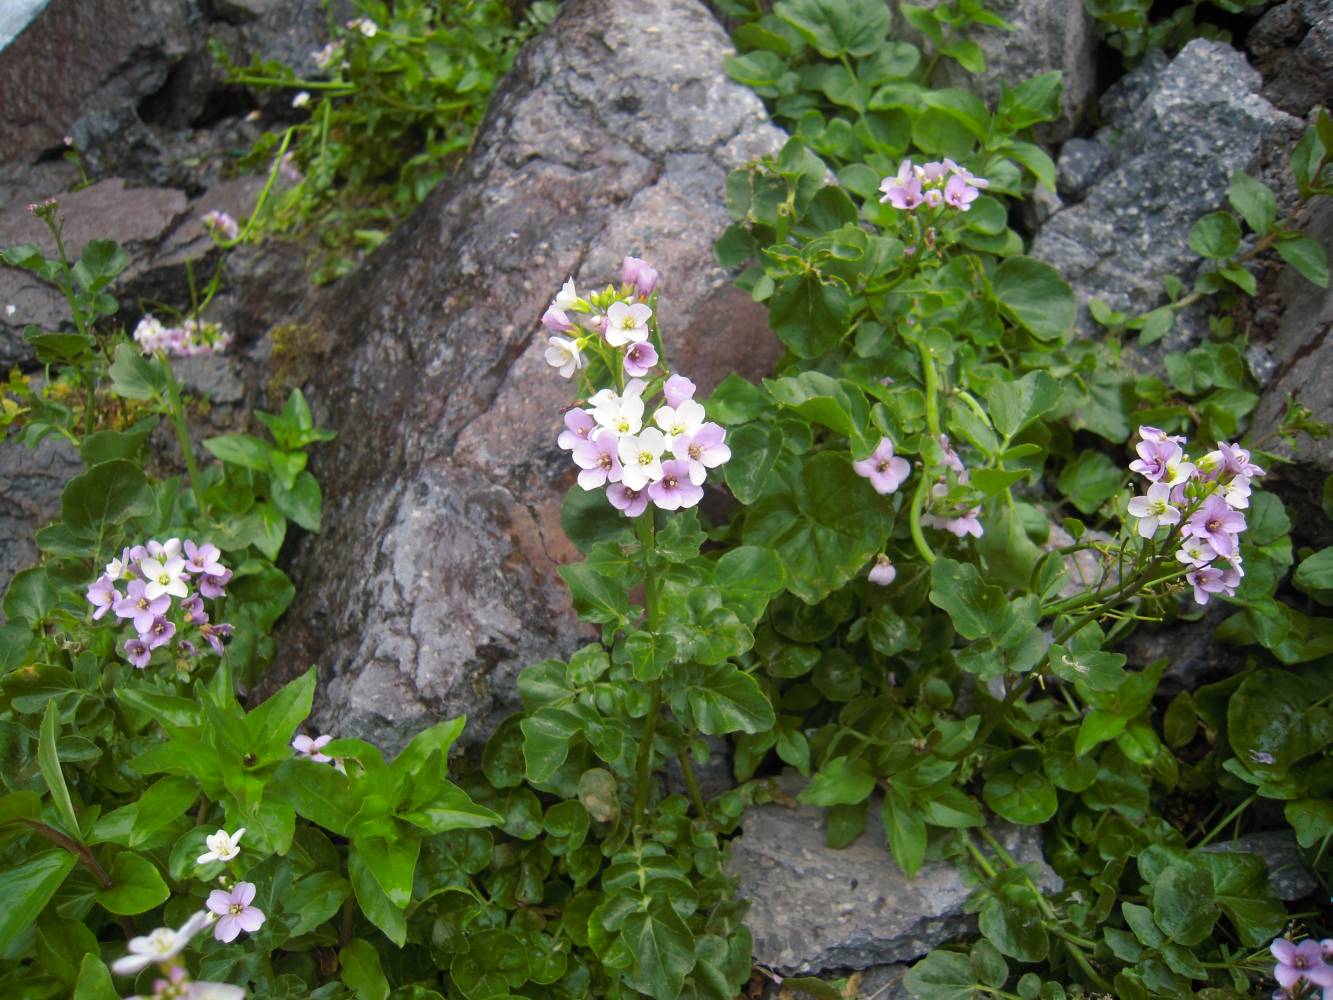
column 646, row 458
column 695, row 451
column 670, row 482
column 164, row 579
column 604, row 462
column 235, row 909
column 1214, row 526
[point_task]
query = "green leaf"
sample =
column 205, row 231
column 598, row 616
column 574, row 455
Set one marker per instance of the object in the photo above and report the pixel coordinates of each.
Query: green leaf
column 434, row 739
column 839, row 406
column 942, row 975
column 376, row 906
column 244, row 450
column 1314, row 576
column 1032, row 294
column 906, row 831
column 950, row 807
column 108, row 494
column 49, row 762
column 595, row 598
column 61, row 348
column 135, row 377
column 1307, row 257
column 1215, row 236
column 978, row 609
column 361, row 972
column 451, row 809
column 1096, row 670
column 303, row 503
column 661, row 949
column 650, row 654
column 755, row 449
column 316, row 791
column 824, row 528
column 98, row 264
column 547, row 736
column 838, row 27
column 724, row 699
column 136, row 885
column 1183, row 903
column 27, row 887
column 808, row 315
column 1011, row 919
column 29, row 598
column 1090, row 480
column 1035, row 100
column 1015, row 405
column 1028, row 798
column 94, row 982
column 1266, row 721
column 840, row 782
column 1254, row 200
column 392, row 863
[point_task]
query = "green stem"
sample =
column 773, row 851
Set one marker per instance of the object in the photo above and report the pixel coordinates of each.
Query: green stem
column 932, row 381
column 644, row 765
column 1225, row 820
column 253, row 221
column 914, row 517
column 67, row 289
column 183, row 436
column 692, row 783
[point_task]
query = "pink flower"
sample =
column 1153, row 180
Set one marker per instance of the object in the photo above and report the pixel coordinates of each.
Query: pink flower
column 883, row 572
column 203, row 558
column 1217, row 524
column 311, row 748
column 640, row 358
column 885, row 471
column 138, row 653
column 578, row 425
column 221, row 224
column 702, row 450
column 1154, row 509
column 906, row 194
column 600, row 461
column 1212, row 579
column 965, row 174
column 959, row 194
column 677, row 389
column 235, row 914
column 1297, row 962
column 103, row 596
column 674, row 490
column 630, row 502
column 640, row 274
column 627, row 323
column 555, row 320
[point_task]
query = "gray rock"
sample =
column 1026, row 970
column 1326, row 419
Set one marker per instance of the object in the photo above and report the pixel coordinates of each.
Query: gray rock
column 125, row 49
column 1127, row 95
column 1081, row 164
column 1193, row 656
column 884, row 982
column 1288, row 874
column 433, row 581
column 30, row 485
column 814, row 908
column 1199, row 123
column 1293, row 45
column 1303, row 352
column 1047, row 35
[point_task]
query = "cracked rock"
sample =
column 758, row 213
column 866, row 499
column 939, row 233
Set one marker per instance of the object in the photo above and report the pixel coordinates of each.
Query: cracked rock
column 814, row 908
column 1185, row 128
column 30, row 484
column 433, row 582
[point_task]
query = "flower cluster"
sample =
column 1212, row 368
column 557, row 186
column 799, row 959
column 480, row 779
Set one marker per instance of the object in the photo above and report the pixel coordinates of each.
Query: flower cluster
column 960, row 521
column 610, row 319
column 229, row 911
column 153, row 575
column 1303, row 966
column 191, row 338
column 1200, row 503
column 663, row 459
column 221, row 224
column 931, row 184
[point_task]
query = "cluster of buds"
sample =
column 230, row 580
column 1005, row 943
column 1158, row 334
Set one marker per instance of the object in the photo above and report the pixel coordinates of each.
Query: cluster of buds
column 154, row 574
column 663, row 459
column 1303, row 970
column 364, row 25
column 959, row 519
column 1200, row 503
column 931, row 184
column 191, row 338
column 618, row 319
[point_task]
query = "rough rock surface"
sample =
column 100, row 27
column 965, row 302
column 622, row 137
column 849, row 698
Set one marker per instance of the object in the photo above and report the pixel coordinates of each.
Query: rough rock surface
column 1303, row 351
column 1293, row 45
column 433, row 581
column 854, row 908
column 1185, row 129
column 1047, row 35
column 30, row 485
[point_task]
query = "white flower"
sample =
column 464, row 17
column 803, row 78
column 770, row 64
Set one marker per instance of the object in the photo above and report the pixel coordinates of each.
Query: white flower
column 567, row 297
column 686, row 418
column 162, row 945
column 1196, row 552
column 641, row 458
column 364, row 25
column 622, row 415
column 222, row 846
column 116, row 570
column 564, row 355
column 301, row 99
column 164, row 578
column 1237, row 493
column 627, row 323
column 11, row 309
column 1154, row 509
column 171, row 548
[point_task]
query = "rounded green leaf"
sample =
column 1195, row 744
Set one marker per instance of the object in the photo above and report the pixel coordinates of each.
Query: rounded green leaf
column 136, row 885
column 107, row 494
column 1215, row 236
column 1028, row 798
column 1033, row 295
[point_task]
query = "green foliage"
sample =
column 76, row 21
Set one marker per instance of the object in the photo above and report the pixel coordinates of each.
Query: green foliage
column 404, row 88
column 1130, row 27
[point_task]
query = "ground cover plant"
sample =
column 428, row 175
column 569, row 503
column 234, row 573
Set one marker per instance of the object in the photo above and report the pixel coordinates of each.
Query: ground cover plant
column 882, row 608
column 400, row 91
